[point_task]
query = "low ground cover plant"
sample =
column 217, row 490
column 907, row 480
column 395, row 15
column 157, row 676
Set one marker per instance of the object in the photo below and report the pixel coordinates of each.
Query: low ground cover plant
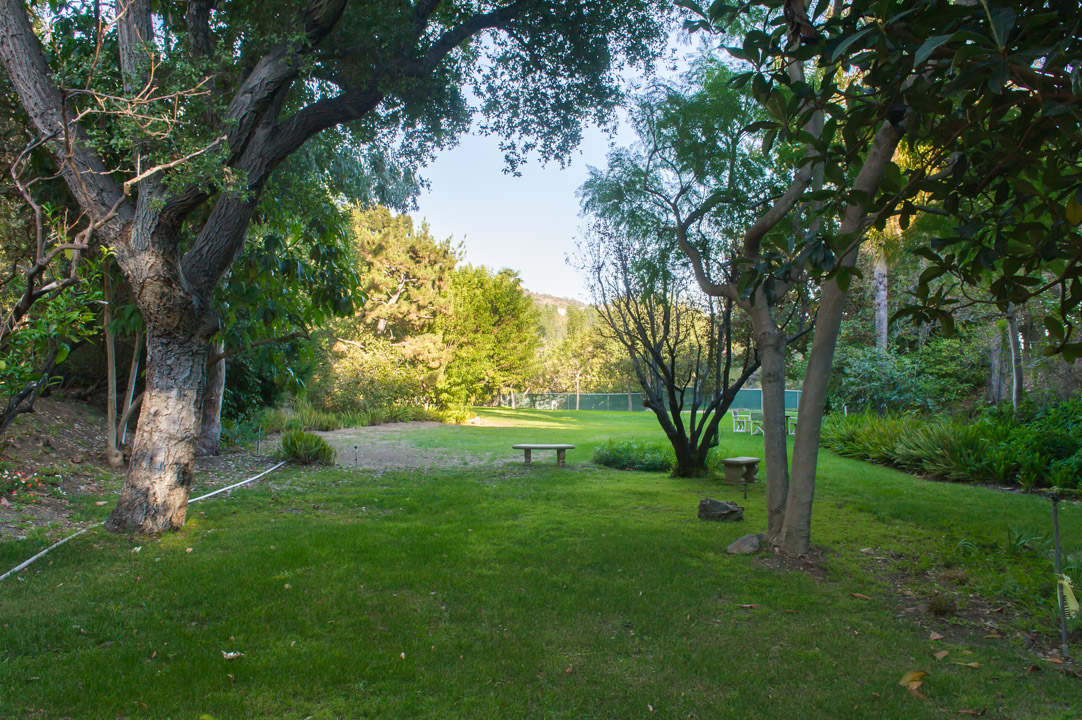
column 644, row 455
column 1033, row 448
column 25, row 486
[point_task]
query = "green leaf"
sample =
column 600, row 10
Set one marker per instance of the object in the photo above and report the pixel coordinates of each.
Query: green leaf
column 1054, row 327
column 930, row 46
column 1074, row 212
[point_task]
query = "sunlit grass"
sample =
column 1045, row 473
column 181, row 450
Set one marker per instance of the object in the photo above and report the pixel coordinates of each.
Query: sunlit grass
column 536, row 592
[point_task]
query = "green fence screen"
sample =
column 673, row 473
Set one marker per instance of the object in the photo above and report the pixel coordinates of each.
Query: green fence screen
column 748, row 399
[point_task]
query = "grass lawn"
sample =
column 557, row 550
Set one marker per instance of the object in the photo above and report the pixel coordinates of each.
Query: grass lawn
column 515, row 592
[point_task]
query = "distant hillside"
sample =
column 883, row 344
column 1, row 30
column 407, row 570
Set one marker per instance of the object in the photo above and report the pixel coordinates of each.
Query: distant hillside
column 542, row 299
column 553, row 311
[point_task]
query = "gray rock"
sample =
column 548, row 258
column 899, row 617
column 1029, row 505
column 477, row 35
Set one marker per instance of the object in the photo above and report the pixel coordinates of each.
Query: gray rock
column 711, row 509
column 746, row 545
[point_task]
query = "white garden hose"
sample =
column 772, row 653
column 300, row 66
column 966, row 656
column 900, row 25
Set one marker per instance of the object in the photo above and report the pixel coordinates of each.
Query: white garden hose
column 55, row 545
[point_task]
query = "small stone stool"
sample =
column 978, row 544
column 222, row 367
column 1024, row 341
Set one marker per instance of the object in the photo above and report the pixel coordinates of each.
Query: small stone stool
column 741, row 470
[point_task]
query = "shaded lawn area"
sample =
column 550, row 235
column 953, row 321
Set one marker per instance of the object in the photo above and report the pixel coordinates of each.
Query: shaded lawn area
column 533, row 593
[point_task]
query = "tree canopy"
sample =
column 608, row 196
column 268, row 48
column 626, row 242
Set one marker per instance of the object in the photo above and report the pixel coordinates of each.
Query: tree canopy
column 167, row 121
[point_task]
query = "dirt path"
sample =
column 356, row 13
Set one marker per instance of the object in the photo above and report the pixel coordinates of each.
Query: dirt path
column 381, row 448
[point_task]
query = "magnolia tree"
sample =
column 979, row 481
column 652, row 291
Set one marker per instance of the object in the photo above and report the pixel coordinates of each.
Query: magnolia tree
column 981, row 94
column 167, row 120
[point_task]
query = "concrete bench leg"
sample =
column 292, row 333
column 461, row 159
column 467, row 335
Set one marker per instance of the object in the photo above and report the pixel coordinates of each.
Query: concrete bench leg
column 734, row 474
column 751, row 473
column 528, row 458
column 560, row 457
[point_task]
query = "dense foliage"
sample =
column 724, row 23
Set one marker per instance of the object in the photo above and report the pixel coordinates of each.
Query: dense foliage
column 491, row 332
column 1038, row 447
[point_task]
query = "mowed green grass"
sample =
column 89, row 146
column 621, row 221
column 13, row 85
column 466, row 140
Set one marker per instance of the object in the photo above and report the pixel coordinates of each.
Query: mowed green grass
column 534, row 592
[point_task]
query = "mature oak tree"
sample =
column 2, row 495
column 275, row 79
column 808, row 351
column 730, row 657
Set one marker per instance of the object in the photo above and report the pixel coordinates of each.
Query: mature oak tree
column 213, row 97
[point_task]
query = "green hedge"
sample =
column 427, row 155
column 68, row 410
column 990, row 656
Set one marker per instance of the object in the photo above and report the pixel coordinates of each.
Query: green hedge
column 1037, row 447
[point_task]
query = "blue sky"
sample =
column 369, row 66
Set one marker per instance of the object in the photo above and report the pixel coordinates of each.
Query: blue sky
column 527, row 223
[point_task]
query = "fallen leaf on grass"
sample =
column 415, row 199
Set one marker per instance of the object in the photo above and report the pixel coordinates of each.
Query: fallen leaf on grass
column 935, row 636
column 867, row 551
column 570, row 669
column 912, row 677
column 977, row 713
column 232, row 654
column 4, row 502
column 942, row 654
column 99, row 503
column 752, row 606
column 860, row 596
column 188, row 550
column 970, row 664
column 993, row 636
column 1056, row 660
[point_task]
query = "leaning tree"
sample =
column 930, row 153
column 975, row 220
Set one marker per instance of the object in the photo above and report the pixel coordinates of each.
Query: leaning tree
column 167, row 120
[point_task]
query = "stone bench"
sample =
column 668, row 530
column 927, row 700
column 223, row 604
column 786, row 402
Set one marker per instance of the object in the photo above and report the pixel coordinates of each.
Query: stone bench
column 741, row 470
column 560, row 449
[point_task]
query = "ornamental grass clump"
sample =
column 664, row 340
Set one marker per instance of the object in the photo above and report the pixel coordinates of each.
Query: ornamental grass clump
column 1033, row 447
column 305, row 448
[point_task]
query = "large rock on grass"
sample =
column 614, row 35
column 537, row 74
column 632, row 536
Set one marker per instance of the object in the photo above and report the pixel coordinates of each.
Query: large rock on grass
column 747, row 545
column 711, row 509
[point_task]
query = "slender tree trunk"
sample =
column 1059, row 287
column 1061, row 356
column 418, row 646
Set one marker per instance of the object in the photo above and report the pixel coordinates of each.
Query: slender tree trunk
column 210, row 432
column 795, row 539
column 112, row 451
column 771, row 344
column 129, row 396
column 995, row 373
column 882, row 316
column 155, row 494
column 1017, row 377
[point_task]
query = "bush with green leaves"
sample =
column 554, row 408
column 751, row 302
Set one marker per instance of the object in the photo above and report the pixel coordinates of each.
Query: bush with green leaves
column 305, row 448
column 635, row 455
column 938, row 374
column 356, row 377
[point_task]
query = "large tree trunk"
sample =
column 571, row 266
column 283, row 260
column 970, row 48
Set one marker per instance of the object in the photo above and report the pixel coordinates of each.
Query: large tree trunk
column 155, row 494
column 770, row 341
column 882, row 316
column 210, row 434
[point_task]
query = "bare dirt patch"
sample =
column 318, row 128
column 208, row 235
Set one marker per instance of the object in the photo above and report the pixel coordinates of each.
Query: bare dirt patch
column 383, row 448
column 62, row 444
